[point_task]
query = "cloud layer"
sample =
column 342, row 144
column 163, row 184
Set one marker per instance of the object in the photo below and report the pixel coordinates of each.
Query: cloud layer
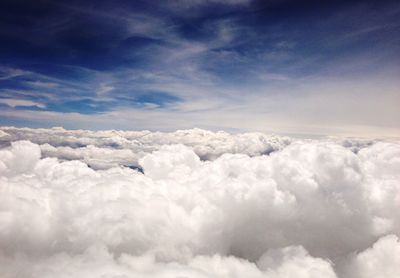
column 256, row 206
column 105, row 149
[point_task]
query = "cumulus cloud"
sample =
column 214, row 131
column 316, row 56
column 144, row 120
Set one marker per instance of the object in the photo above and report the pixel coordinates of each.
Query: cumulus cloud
column 3, row 134
column 310, row 208
column 96, row 261
column 106, row 149
column 382, row 260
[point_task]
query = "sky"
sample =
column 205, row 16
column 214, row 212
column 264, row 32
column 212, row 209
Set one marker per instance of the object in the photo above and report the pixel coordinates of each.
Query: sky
column 286, row 67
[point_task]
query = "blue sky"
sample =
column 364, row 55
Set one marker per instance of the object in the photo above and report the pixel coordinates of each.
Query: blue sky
column 289, row 67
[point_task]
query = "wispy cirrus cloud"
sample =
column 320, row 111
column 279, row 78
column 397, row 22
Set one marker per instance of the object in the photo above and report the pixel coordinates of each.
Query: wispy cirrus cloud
column 236, row 57
column 20, row 103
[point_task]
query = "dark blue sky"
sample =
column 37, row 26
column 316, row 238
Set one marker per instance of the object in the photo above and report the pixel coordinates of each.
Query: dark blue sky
column 281, row 66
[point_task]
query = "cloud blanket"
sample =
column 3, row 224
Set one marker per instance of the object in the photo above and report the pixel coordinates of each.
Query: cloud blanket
column 202, row 204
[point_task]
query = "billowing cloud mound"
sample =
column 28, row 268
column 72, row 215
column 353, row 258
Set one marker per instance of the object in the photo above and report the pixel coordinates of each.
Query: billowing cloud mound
column 381, row 260
column 105, row 149
column 302, row 208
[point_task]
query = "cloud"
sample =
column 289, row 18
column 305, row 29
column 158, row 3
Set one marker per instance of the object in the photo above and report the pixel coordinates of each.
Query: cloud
column 7, row 73
column 106, row 149
column 382, row 260
column 3, row 134
column 307, row 208
column 42, row 85
column 343, row 107
column 21, row 103
column 96, row 261
column 286, row 261
column 104, row 89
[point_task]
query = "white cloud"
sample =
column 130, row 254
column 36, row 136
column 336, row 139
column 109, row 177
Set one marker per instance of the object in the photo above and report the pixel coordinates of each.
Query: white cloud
column 43, row 84
column 319, row 107
column 105, row 149
column 3, row 134
column 305, row 208
column 286, row 261
column 96, row 261
column 21, row 102
column 104, row 89
column 9, row 73
column 382, row 260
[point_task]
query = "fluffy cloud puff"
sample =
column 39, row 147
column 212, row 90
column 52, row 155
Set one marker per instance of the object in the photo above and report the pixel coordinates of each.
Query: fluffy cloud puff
column 96, row 261
column 308, row 209
column 107, row 149
column 382, row 260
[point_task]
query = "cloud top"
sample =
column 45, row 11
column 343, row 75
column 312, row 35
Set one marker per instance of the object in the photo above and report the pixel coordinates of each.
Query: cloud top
column 314, row 208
